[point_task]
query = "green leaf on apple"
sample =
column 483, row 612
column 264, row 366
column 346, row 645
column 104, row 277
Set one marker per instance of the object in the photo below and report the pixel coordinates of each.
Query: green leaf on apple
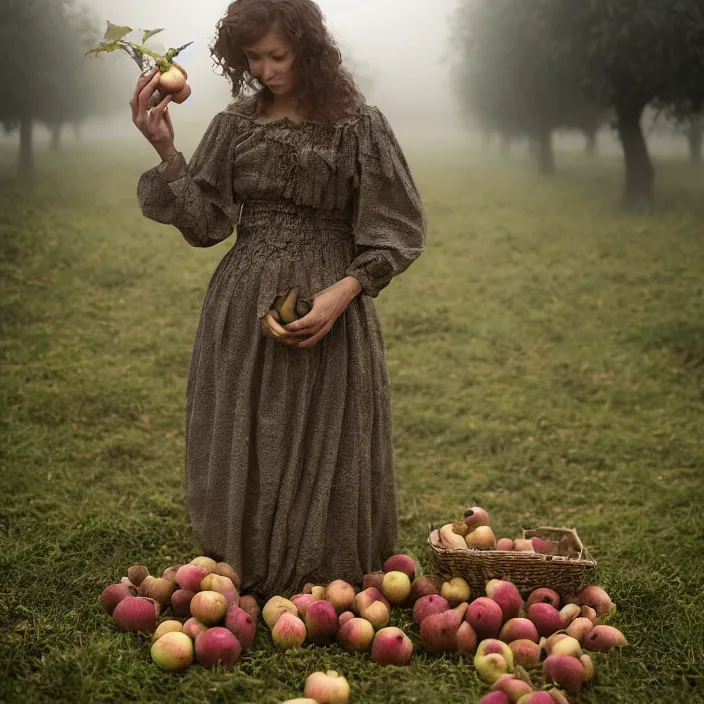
column 116, row 32
column 149, row 33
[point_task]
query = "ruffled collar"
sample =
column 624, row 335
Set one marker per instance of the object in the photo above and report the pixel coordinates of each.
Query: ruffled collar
column 245, row 107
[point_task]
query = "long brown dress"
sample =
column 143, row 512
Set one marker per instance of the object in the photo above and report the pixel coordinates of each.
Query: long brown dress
column 289, row 461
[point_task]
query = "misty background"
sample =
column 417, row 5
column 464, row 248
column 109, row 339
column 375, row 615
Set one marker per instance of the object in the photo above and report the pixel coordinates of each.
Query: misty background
column 399, row 50
column 400, row 47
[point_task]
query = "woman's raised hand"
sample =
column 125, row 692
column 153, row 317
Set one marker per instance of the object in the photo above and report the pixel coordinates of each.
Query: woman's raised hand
column 155, row 123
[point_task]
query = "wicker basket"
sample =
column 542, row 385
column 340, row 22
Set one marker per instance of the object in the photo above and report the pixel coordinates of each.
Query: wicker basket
column 526, row 570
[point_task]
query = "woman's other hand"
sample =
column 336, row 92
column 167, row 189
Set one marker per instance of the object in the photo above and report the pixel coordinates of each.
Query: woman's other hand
column 271, row 327
column 155, row 124
column 328, row 306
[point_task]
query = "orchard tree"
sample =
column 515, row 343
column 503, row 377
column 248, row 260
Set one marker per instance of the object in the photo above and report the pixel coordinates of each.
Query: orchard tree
column 629, row 54
column 507, row 75
column 694, row 132
column 30, row 63
column 687, row 119
column 618, row 55
column 45, row 77
column 84, row 94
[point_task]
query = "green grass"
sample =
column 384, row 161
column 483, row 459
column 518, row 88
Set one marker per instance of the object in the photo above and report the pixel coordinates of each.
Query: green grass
column 547, row 362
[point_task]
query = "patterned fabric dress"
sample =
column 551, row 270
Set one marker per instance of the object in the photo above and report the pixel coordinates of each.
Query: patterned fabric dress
column 289, row 461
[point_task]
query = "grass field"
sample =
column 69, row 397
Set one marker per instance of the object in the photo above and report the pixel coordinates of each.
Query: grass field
column 547, row 362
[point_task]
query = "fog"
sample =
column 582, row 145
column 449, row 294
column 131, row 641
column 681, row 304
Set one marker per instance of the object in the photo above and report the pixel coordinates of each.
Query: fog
column 401, row 44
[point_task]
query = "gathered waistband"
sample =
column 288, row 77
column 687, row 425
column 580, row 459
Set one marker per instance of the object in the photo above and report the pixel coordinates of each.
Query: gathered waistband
column 281, row 222
column 251, row 208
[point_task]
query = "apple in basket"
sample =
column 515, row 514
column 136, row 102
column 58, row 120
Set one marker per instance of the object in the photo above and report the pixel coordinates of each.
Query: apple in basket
column 449, row 539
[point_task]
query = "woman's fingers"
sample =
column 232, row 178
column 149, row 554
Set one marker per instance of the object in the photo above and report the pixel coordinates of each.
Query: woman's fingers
column 274, row 326
column 169, row 124
column 156, row 114
column 144, row 79
column 146, row 93
column 315, row 338
column 271, row 328
column 304, row 332
column 309, row 324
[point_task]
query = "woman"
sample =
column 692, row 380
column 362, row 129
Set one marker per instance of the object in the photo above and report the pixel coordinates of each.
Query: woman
column 289, row 458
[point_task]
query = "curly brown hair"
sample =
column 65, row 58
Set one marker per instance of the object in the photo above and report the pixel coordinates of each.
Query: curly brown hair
column 326, row 90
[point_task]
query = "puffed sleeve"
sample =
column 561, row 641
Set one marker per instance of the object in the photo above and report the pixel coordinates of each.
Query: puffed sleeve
column 389, row 219
column 196, row 197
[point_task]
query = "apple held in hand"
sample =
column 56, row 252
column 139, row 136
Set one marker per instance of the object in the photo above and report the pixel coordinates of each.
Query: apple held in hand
column 173, row 79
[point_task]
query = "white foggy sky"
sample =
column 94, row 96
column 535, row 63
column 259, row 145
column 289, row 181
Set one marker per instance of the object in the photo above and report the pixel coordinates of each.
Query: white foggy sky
column 402, row 42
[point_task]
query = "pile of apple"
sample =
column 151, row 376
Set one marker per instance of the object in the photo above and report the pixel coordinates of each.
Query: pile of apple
column 356, row 620
column 475, row 533
column 506, row 637
column 210, row 623
column 511, row 635
column 505, row 634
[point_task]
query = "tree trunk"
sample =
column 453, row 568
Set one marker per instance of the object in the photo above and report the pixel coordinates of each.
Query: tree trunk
column 546, row 154
column 591, row 143
column 56, row 137
column 694, row 137
column 639, row 188
column 26, row 158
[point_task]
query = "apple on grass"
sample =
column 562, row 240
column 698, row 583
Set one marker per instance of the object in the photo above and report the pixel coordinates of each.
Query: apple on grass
column 327, row 687
column 217, row 647
column 396, row 587
column 173, row 652
column 391, row 646
column 456, row 591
